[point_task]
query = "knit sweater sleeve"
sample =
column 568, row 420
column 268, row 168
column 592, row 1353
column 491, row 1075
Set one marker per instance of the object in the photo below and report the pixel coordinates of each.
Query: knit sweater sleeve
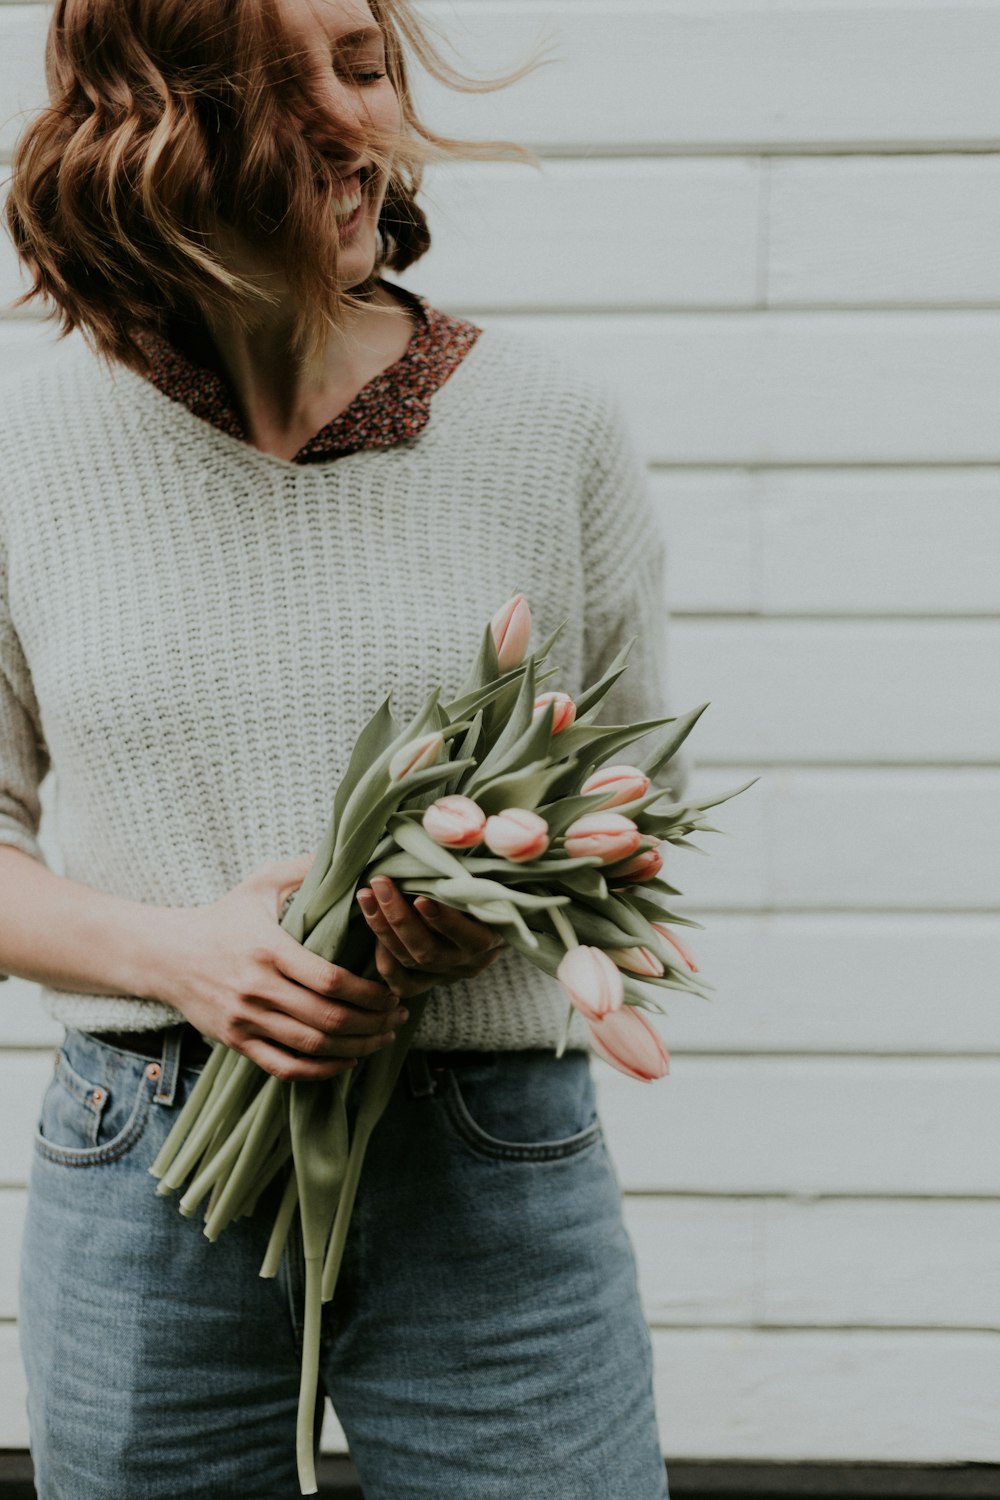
column 624, row 564
column 24, row 758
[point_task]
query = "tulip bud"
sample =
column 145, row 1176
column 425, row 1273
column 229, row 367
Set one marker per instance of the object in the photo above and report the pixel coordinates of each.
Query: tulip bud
column 637, row 961
column 609, row 835
column 511, row 627
column 675, row 942
column 563, row 714
column 592, row 981
column 626, row 1040
column 455, row 822
column 622, row 783
column 646, row 864
column 517, row 834
column 415, row 755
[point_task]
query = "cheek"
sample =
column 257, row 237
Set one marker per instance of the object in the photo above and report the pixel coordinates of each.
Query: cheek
column 387, row 112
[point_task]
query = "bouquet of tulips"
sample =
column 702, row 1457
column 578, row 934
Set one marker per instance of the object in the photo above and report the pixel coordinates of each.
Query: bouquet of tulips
column 505, row 805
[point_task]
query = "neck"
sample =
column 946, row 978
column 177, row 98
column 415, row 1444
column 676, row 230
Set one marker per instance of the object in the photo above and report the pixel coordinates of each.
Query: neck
column 282, row 401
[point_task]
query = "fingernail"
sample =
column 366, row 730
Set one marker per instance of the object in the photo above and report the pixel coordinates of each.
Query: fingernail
column 399, row 1016
column 368, row 906
column 381, row 888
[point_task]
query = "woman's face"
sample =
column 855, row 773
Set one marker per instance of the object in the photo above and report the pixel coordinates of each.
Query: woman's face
column 343, row 51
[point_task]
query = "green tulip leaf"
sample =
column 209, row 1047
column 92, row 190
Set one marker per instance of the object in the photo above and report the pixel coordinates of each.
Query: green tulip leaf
column 590, row 884
column 418, row 842
column 518, row 723
column 524, row 788
column 565, row 810
column 589, row 701
column 654, row 759
column 656, row 913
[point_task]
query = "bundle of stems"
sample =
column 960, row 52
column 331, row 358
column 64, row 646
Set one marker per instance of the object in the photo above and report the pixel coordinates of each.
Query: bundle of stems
column 240, row 1127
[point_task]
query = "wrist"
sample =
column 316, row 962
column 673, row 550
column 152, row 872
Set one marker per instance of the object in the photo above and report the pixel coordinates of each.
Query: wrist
column 150, row 954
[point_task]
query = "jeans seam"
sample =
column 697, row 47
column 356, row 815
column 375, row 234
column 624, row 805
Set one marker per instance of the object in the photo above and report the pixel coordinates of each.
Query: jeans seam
column 477, row 1139
column 96, row 1156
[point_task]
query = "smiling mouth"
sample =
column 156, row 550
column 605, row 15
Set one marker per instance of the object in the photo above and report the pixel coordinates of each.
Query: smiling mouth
column 350, row 192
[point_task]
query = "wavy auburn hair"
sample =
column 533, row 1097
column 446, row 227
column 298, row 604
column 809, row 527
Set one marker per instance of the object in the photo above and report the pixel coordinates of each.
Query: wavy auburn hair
column 171, row 122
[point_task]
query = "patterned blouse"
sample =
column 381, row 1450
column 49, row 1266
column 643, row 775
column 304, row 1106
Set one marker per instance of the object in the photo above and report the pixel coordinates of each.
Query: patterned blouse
column 392, row 406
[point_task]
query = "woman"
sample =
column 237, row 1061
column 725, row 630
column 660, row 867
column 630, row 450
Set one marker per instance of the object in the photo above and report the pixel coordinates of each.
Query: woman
column 268, row 487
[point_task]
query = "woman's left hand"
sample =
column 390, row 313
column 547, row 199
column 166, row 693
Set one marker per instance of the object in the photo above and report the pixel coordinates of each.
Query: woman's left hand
column 425, row 944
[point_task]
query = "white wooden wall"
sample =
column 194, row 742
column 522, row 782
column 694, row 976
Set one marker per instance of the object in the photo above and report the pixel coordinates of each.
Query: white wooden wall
column 776, row 225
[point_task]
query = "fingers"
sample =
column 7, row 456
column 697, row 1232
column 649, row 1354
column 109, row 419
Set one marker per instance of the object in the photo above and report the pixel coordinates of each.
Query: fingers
column 326, row 980
column 468, row 933
column 277, row 1026
column 403, row 980
column 283, row 1065
column 404, row 931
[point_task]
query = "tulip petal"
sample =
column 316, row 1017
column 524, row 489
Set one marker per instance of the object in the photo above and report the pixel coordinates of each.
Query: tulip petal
column 630, row 1043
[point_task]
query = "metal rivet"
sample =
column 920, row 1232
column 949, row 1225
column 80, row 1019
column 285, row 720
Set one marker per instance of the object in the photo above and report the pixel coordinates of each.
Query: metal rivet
column 153, row 1071
column 98, row 1096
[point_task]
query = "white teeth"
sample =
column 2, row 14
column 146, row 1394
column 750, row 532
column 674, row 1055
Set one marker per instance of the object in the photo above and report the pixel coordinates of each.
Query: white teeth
column 344, row 207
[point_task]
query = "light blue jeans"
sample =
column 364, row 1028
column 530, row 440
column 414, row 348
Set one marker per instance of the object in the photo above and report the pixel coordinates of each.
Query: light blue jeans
column 486, row 1341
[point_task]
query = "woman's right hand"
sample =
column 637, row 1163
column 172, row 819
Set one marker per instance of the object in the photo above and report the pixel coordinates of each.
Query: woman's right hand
column 237, row 976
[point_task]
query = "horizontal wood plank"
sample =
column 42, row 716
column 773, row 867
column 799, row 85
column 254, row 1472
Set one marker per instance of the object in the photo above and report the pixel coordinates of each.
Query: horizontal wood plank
column 714, row 76
column 618, row 233
column 765, row 388
column 878, row 1125
column 873, row 542
column 820, row 691
column 817, row 387
column 724, row 1393
column 847, row 1395
column 801, row 1262
column 854, row 983
column 884, row 229
column 839, row 839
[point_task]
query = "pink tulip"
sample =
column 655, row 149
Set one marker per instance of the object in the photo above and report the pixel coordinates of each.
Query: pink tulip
column 416, row 754
column 563, row 714
column 637, row 961
column 646, row 864
column 511, row 627
column 626, row 1040
column 592, row 981
column 517, row 834
column 675, row 942
column 456, row 822
column 609, row 835
column 622, row 783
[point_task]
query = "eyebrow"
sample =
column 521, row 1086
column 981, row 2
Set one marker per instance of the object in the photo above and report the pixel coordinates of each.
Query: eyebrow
column 359, row 36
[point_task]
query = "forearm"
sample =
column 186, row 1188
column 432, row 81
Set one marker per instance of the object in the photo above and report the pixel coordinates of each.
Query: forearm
column 62, row 933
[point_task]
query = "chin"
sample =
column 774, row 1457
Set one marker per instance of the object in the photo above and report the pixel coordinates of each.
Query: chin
column 357, row 261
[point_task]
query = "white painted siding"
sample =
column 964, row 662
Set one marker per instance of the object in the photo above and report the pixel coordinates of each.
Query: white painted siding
column 776, row 226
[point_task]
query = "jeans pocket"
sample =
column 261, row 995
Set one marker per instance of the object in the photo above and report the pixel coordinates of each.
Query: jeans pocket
column 526, row 1106
column 94, row 1117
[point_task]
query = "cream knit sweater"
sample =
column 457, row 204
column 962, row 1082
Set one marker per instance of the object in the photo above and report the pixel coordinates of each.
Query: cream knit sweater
column 192, row 632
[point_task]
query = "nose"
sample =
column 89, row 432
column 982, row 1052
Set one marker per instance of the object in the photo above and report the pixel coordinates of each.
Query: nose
column 345, row 109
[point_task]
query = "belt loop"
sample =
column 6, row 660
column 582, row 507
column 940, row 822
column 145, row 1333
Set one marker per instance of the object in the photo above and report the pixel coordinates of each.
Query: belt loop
column 170, row 1064
column 419, row 1074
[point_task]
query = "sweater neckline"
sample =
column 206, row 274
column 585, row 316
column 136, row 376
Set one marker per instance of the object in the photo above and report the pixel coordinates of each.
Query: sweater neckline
column 158, row 414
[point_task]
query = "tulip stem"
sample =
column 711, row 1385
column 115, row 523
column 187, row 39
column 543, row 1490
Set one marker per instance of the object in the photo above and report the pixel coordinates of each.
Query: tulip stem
column 305, row 1427
column 192, row 1109
column 282, row 1224
column 251, row 1140
column 564, row 928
